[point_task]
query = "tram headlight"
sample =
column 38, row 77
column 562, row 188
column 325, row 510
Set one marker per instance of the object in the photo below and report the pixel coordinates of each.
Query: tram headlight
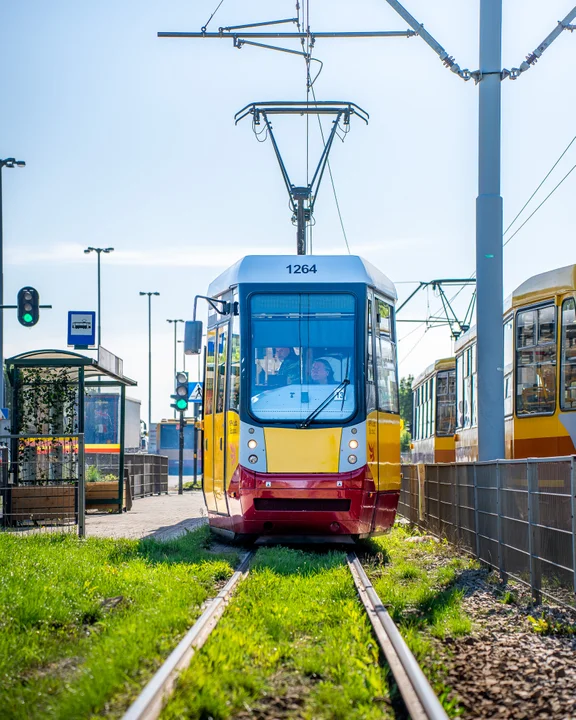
column 353, row 444
column 253, row 459
column 352, row 459
column 252, row 444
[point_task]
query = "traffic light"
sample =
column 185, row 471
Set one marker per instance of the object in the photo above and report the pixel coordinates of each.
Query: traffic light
column 28, row 306
column 181, row 392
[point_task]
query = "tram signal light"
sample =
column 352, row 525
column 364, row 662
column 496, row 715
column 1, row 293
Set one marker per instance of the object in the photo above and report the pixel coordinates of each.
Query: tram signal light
column 180, row 396
column 28, row 309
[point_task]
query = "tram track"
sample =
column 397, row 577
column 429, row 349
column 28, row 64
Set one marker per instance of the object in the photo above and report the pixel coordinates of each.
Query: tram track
column 417, row 694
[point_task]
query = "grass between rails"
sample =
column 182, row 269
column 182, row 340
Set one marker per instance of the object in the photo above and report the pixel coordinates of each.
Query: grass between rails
column 294, row 643
column 415, row 581
column 84, row 623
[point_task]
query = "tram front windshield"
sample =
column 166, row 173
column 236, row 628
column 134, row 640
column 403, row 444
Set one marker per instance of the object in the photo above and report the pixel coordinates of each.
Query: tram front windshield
column 302, row 352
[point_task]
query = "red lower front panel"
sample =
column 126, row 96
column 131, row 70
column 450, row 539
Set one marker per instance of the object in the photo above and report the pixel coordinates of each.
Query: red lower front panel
column 298, row 504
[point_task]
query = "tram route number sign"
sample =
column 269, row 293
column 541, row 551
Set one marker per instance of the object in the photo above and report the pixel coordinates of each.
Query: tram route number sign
column 195, row 392
column 81, row 328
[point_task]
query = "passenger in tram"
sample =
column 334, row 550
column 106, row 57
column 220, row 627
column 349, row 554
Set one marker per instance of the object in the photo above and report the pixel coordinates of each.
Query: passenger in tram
column 289, row 370
column 321, row 372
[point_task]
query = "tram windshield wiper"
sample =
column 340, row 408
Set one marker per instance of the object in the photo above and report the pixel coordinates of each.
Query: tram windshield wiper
column 324, row 403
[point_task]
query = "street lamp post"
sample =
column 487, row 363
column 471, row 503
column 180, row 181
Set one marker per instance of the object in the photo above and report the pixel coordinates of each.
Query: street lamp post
column 149, row 357
column 9, row 163
column 99, row 251
column 181, row 342
column 175, row 322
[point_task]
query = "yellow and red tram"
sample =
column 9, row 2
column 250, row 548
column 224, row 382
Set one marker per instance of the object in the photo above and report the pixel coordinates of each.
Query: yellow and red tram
column 539, row 375
column 301, row 420
column 434, row 416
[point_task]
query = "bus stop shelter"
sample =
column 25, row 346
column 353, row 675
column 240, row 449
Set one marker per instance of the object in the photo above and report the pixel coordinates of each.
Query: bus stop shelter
column 60, row 393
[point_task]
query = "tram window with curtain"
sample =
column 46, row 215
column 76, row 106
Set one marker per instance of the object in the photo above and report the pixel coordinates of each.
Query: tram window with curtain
column 536, row 361
column 568, row 376
column 303, row 348
column 446, row 403
column 385, row 359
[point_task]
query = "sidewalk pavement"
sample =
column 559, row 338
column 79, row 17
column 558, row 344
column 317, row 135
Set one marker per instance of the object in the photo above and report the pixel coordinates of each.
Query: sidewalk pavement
column 161, row 517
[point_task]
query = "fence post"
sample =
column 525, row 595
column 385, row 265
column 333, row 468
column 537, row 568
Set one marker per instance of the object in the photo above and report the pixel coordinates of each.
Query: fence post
column 501, row 569
column 476, row 525
column 573, row 506
column 81, row 488
column 456, row 500
column 535, row 575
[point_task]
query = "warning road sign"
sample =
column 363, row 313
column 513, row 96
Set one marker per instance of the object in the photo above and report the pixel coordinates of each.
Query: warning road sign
column 195, row 392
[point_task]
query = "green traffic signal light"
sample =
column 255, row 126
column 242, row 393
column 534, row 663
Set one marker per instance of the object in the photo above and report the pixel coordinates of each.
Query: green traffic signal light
column 181, row 404
column 27, row 318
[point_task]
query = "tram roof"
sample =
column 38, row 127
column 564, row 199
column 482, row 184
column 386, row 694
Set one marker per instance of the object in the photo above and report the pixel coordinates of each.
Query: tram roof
column 272, row 269
column 437, row 366
column 545, row 285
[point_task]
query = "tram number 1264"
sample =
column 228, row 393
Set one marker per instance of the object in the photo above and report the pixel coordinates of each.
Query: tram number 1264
column 301, row 269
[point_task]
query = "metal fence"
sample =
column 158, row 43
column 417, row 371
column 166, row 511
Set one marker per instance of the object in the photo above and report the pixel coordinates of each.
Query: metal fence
column 519, row 516
column 148, row 474
column 42, row 483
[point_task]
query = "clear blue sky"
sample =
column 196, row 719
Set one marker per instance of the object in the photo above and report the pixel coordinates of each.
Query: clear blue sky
column 130, row 142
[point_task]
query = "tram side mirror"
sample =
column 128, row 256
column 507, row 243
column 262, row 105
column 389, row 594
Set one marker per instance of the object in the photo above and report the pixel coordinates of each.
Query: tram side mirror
column 193, row 337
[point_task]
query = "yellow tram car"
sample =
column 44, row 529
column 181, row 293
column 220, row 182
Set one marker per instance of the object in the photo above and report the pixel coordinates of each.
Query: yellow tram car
column 539, row 371
column 301, row 416
column 434, row 416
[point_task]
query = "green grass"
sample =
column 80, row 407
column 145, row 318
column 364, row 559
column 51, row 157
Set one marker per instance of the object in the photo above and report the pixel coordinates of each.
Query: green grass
column 415, row 581
column 295, row 641
column 84, row 623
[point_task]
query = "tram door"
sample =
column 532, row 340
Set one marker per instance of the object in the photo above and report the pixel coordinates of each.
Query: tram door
column 215, row 420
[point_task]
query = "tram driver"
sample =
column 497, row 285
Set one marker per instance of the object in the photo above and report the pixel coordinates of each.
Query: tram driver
column 289, row 370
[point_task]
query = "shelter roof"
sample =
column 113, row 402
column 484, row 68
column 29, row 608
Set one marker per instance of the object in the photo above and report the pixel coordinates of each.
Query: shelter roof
column 67, row 359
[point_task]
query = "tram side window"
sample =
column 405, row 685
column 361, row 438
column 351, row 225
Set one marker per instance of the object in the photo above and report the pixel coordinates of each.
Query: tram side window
column 209, row 388
column 446, row 403
column 370, row 384
column 569, row 354
column 222, row 358
column 536, row 361
column 234, row 392
column 466, row 391
column 508, row 356
column 386, row 359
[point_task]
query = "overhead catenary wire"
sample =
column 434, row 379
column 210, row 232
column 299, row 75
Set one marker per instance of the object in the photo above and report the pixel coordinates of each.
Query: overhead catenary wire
column 205, row 26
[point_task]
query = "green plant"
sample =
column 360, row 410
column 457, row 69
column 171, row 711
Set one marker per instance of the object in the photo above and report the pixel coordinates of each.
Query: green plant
column 110, row 478
column 547, row 625
column 92, row 474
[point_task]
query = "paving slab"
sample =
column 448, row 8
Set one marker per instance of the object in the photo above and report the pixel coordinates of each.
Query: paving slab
column 161, row 517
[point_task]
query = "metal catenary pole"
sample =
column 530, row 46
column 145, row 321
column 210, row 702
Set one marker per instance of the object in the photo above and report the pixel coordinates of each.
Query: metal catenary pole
column 489, row 230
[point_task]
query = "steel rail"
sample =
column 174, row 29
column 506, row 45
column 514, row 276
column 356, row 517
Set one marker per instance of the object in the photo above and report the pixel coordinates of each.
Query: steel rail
column 420, row 700
column 148, row 705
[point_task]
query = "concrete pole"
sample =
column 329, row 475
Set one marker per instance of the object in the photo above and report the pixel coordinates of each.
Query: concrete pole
column 149, row 364
column 489, row 251
column 1, row 302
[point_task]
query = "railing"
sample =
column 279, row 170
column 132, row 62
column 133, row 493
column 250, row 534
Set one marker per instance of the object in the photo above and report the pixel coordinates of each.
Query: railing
column 518, row 516
column 148, row 474
column 42, row 483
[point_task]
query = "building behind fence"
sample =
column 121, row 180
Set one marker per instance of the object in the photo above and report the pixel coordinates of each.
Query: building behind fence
column 519, row 516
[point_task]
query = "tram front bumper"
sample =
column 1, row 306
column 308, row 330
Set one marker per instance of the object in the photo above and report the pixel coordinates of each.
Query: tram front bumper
column 311, row 504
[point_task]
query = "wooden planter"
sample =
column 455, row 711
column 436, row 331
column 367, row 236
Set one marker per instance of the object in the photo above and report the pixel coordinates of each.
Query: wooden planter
column 100, row 491
column 42, row 503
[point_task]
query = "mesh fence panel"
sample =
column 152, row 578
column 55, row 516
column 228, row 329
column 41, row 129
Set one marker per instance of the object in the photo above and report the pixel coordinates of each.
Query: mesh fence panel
column 488, row 508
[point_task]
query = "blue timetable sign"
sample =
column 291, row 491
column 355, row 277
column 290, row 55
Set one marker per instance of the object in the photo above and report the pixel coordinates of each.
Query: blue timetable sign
column 81, row 328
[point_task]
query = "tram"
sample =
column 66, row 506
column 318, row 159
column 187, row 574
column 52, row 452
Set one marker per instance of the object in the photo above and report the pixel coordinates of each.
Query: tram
column 301, row 423
column 434, row 417
column 539, row 379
